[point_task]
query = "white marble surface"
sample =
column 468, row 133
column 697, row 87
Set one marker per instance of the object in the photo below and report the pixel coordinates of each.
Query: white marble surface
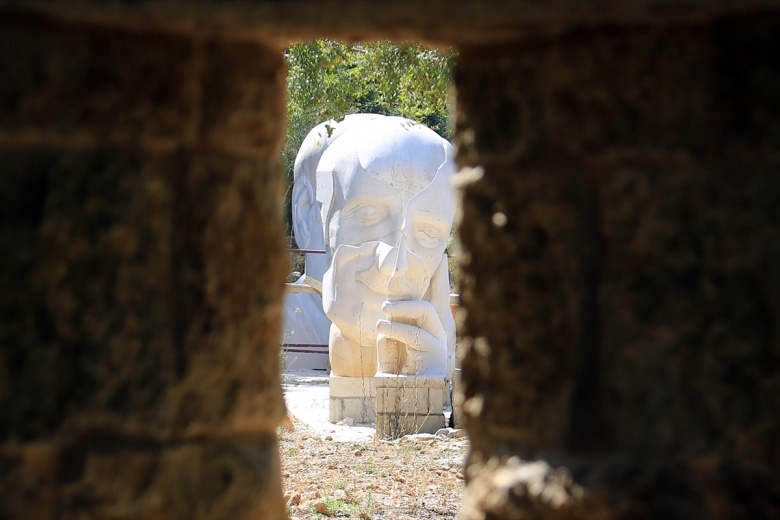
column 305, row 322
column 307, row 398
column 386, row 195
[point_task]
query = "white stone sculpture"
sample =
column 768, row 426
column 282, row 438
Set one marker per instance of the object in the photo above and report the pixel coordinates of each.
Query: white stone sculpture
column 387, row 208
column 306, row 327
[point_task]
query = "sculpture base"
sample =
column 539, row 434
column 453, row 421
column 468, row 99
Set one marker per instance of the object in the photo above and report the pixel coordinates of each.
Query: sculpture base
column 457, row 398
column 408, row 404
column 353, row 397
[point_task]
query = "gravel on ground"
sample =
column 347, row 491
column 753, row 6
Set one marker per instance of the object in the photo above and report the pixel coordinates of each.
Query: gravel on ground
column 415, row 477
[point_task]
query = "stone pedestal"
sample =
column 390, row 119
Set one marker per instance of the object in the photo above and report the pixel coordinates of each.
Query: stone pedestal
column 457, row 398
column 408, row 404
column 352, row 397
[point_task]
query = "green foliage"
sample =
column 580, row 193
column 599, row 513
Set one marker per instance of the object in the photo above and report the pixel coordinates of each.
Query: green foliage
column 329, row 80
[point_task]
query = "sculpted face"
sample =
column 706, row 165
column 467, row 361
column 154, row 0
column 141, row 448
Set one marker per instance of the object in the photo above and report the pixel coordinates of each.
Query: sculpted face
column 305, row 321
column 387, row 211
column 307, row 219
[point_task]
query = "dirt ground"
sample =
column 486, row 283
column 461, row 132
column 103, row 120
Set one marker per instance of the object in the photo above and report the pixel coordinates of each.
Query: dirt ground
column 415, row 477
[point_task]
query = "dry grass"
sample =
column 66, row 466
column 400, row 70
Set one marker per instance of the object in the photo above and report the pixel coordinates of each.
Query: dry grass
column 411, row 478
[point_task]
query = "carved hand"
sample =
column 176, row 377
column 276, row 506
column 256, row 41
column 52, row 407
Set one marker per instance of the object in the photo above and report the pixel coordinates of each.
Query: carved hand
column 417, row 326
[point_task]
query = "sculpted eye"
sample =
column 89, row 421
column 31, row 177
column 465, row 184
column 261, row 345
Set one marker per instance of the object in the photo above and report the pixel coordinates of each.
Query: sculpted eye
column 428, row 236
column 367, row 215
column 430, row 232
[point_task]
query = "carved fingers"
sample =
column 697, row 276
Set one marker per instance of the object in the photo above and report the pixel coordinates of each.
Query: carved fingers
column 414, row 323
column 417, row 329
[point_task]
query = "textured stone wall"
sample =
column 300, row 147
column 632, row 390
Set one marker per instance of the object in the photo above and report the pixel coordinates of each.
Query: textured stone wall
column 620, row 225
column 622, row 280
column 141, row 271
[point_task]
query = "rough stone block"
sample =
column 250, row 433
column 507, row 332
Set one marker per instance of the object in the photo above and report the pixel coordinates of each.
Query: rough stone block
column 243, row 97
column 404, row 400
column 87, row 245
column 401, row 381
column 341, row 386
column 664, row 272
column 211, row 479
column 353, row 397
column 409, row 394
column 335, row 410
column 133, row 293
column 93, row 84
column 361, row 409
column 395, row 425
column 28, row 481
column 436, row 399
column 409, row 404
column 457, row 398
column 617, row 486
column 637, row 252
column 230, row 267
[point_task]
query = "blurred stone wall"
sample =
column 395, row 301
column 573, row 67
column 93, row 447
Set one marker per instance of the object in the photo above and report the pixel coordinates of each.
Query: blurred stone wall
column 622, row 291
column 621, row 266
column 142, row 270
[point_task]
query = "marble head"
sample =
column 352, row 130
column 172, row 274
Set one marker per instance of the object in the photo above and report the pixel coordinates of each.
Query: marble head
column 386, row 203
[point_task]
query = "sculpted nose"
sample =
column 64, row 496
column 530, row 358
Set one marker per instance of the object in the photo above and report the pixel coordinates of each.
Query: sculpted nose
column 392, row 261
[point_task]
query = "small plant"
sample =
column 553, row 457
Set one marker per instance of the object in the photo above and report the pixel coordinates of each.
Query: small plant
column 336, row 506
column 366, row 510
column 408, row 451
